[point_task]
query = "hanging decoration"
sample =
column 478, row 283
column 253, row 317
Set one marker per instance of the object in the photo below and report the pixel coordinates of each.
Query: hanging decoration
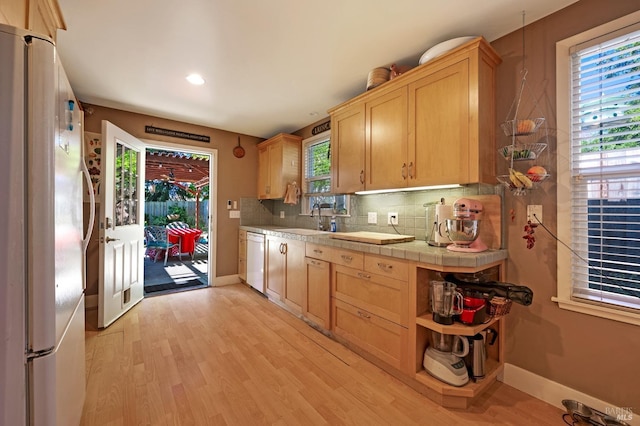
column 528, row 136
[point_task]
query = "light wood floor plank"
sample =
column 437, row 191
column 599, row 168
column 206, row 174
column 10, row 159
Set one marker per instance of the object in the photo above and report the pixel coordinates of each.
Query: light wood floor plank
column 228, row 356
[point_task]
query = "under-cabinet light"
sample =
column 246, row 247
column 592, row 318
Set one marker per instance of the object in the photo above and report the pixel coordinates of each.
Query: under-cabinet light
column 417, row 188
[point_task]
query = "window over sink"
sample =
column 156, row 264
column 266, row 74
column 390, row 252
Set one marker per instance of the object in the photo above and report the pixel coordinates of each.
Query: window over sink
column 317, row 178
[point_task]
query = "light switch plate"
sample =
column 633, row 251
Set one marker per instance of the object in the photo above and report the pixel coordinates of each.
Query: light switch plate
column 372, row 217
column 234, row 214
column 281, row 214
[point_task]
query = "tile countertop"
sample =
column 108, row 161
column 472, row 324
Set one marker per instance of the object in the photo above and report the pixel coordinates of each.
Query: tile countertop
column 417, row 250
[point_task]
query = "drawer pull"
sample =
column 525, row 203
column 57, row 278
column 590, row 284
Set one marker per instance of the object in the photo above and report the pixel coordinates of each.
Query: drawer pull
column 385, row 266
column 318, row 251
column 313, row 262
column 363, row 314
column 363, row 275
column 346, row 258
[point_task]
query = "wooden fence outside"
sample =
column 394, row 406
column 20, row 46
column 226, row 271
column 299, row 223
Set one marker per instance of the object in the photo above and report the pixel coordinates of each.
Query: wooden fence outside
column 161, row 209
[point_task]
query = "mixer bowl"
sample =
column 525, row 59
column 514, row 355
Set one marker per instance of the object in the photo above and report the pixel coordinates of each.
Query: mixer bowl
column 462, row 232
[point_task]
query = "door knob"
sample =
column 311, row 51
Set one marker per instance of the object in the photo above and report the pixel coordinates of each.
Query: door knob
column 109, row 239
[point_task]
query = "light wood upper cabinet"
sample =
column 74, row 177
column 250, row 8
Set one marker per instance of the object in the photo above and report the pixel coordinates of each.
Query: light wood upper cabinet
column 278, row 165
column 386, row 141
column 41, row 16
column 347, row 149
column 433, row 125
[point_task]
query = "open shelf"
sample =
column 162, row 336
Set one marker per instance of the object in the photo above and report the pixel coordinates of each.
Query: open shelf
column 470, row 390
column 455, row 328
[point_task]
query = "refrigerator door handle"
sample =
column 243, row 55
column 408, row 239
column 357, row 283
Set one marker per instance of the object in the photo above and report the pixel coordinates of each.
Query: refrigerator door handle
column 39, row 354
column 92, row 200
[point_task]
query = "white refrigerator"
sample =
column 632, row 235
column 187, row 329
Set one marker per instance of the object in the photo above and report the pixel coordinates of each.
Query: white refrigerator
column 42, row 241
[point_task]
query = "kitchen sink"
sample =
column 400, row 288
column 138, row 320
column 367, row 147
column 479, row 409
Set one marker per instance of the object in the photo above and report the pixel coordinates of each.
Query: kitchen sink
column 303, row 231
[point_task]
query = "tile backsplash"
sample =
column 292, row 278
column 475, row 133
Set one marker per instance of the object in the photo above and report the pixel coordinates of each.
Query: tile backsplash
column 409, row 205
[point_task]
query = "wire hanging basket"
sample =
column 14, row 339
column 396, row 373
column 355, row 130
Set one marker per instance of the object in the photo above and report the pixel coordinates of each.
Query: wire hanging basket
column 523, row 131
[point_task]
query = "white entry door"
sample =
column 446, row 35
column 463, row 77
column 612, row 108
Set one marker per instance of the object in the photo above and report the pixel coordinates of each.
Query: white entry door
column 121, row 282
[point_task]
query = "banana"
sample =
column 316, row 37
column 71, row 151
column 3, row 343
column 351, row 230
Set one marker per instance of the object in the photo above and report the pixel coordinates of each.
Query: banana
column 524, row 181
column 514, row 180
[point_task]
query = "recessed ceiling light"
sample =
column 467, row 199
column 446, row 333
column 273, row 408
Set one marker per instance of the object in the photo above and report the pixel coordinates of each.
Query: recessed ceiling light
column 195, row 79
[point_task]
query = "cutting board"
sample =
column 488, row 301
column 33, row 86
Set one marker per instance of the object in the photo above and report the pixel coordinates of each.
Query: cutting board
column 372, row 237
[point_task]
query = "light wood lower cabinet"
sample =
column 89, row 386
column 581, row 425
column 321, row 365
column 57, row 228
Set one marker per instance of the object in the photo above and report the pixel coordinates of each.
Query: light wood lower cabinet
column 317, row 303
column 286, row 274
column 370, row 310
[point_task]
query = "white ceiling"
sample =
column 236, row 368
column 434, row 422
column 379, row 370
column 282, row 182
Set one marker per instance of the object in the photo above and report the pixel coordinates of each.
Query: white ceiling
column 269, row 66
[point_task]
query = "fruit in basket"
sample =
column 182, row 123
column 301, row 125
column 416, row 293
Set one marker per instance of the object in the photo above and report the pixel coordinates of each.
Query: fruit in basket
column 526, row 126
column 537, row 173
column 519, row 180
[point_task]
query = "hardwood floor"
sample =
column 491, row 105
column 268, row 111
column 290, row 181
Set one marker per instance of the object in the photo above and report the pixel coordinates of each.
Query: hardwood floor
column 227, row 356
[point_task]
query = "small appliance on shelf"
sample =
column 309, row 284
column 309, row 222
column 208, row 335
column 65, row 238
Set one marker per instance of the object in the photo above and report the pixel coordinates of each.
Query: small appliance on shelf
column 463, row 230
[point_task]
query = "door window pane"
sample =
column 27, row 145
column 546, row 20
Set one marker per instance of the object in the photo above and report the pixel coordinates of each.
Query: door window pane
column 126, row 185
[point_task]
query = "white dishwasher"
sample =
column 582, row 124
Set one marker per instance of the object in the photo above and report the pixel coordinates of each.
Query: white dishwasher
column 255, row 261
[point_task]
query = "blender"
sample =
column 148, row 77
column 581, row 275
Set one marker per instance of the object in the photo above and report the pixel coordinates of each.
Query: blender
column 443, row 359
column 446, row 301
column 463, row 230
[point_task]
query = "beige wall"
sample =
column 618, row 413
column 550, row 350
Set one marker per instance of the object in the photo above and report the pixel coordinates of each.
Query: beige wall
column 593, row 355
column 236, row 177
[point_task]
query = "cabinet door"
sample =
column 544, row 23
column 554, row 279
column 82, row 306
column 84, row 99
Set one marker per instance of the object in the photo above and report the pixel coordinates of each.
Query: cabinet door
column 317, row 302
column 263, row 173
column 296, row 276
column 276, row 184
column 439, row 127
column 275, row 267
column 386, row 141
column 347, row 150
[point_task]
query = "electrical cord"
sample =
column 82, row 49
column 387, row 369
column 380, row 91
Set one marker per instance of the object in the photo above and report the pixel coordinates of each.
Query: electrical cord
column 597, row 268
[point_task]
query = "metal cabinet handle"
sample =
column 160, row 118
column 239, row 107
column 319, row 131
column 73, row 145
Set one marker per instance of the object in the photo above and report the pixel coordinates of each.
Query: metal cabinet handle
column 384, row 266
column 318, row 251
column 403, row 170
column 346, row 258
column 284, row 248
column 363, row 275
column 316, row 263
column 363, row 314
column 411, row 170
column 109, row 239
column 280, row 248
column 362, row 176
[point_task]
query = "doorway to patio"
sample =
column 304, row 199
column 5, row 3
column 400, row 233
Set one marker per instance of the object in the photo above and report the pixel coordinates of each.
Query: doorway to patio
column 177, row 225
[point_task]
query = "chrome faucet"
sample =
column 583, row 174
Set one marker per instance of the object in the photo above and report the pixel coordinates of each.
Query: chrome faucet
column 320, row 227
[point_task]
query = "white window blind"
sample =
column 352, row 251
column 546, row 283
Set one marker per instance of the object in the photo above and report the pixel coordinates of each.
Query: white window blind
column 605, row 171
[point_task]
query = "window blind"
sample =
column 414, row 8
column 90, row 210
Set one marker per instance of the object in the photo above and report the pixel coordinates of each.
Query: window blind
column 605, row 171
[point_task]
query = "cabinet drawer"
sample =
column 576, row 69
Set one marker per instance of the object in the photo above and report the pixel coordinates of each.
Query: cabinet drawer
column 387, row 266
column 383, row 339
column 318, row 251
column 383, row 296
column 349, row 258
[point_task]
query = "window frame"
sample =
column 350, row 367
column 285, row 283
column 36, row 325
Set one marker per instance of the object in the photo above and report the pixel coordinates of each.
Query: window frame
column 305, row 210
column 564, row 212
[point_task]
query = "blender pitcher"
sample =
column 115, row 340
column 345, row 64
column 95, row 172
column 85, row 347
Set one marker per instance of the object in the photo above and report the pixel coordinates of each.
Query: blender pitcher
column 445, row 301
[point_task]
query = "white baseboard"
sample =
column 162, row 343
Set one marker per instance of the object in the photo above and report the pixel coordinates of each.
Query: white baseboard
column 226, row 280
column 553, row 393
column 91, row 301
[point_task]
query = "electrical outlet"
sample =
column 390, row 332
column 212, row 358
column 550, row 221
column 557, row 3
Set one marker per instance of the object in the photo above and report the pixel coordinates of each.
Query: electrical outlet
column 534, row 209
column 281, row 214
column 392, row 218
column 372, row 217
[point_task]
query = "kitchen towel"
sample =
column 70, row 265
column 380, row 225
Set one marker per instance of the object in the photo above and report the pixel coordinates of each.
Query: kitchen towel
column 292, row 194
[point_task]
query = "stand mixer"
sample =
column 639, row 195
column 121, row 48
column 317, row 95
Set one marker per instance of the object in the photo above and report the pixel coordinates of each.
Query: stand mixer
column 463, row 230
